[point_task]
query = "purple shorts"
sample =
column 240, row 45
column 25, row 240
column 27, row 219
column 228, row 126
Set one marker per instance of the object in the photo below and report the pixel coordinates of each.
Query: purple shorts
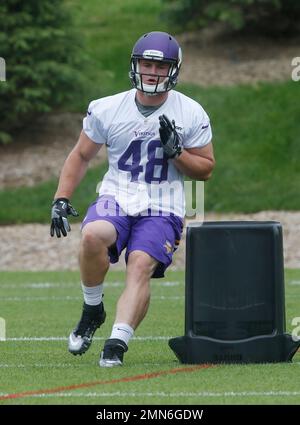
column 158, row 236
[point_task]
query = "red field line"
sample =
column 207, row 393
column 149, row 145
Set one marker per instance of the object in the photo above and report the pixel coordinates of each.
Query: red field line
column 112, row 381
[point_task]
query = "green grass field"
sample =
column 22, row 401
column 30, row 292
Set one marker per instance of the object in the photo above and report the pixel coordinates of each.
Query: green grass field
column 40, row 309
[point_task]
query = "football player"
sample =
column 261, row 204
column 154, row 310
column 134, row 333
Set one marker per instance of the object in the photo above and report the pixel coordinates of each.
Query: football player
column 154, row 136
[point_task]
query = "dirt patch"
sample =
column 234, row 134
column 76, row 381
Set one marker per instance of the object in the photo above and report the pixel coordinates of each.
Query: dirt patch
column 212, row 59
column 38, row 153
column 30, row 247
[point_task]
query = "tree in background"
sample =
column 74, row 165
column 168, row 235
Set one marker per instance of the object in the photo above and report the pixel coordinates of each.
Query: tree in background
column 42, row 61
column 265, row 16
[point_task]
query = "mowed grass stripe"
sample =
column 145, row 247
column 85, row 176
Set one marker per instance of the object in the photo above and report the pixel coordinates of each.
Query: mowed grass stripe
column 79, row 298
column 145, row 376
column 168, row 395
column 75, row 285
column 68, row 297
column 64, row 338
column 148, row 351
column 47, row 285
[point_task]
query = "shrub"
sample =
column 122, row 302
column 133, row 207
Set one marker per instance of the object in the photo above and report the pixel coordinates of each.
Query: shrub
column 265, row 16
column 42, row 57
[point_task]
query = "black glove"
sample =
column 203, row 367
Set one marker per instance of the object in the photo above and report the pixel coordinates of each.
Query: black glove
column 169, row 137
column 61, row 208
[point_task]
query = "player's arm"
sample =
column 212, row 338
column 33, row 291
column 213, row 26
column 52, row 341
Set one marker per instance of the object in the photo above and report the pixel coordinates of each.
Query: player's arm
column 196, row 163
column 72, row 173
column 76, row 165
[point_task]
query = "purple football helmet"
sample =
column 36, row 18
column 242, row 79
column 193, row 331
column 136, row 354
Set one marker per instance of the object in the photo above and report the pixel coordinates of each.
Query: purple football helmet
column 158, row 46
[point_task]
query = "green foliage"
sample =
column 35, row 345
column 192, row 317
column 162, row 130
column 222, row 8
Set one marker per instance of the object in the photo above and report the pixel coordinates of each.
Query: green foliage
column 33, row 204
column 266, row 16
column 255, row 135
column 256, row 142
column 109, row 30
column 41, row 53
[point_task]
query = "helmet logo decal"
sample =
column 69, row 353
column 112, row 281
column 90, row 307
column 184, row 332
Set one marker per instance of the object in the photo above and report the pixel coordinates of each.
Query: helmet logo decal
column 149, row 54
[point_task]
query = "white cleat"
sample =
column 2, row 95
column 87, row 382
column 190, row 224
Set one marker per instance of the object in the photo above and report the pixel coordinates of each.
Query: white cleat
column 81, row 337
column 113, row 352
column 115, row 361
column 77, row 344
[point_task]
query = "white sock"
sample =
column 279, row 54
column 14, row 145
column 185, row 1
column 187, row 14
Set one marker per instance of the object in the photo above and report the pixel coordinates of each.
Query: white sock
column 92, row 294
column 122, row 331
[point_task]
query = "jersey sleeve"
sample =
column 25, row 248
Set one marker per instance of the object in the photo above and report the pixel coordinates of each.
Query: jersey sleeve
column 200, row 133
column 92, row 126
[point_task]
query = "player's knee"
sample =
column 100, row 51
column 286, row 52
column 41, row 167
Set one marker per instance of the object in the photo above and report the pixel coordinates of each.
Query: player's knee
column 90, row 243
column 94, row 240
column 141, row 263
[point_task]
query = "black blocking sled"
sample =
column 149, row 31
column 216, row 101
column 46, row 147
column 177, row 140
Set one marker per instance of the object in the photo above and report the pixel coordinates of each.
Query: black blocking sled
column 234, row 295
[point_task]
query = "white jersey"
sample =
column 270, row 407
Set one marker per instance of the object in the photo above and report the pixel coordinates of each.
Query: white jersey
column 140, row 177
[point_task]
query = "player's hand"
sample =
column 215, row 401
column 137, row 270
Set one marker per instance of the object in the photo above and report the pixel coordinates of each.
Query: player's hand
column 169, row 137
column 61, row 208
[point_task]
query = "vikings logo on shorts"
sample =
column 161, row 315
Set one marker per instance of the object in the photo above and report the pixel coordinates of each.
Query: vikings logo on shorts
column 168, row 246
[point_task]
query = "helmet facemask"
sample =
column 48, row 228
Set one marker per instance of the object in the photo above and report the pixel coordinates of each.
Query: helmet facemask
column 169, row 81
